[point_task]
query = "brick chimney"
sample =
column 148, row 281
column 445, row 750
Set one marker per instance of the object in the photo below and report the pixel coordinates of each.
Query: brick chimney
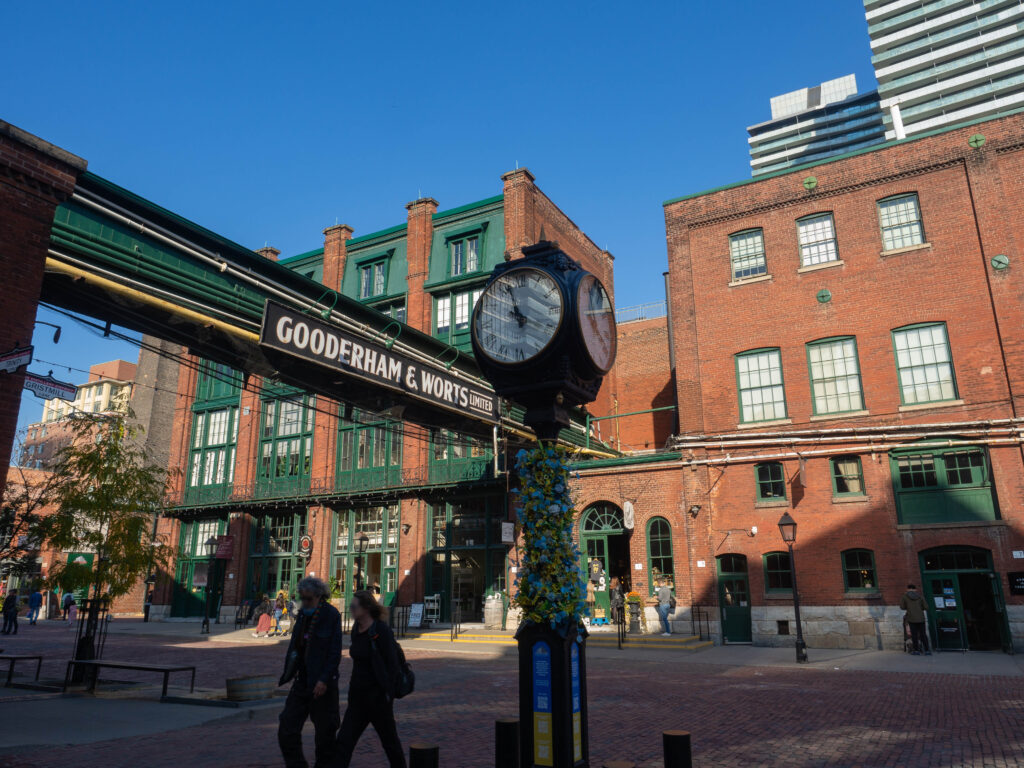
column 419, row 236
column 335, row 253
column 519, row 211
column 268, row 252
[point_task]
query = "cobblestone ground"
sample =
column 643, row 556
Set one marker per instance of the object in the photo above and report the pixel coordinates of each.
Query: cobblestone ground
column 739, row 716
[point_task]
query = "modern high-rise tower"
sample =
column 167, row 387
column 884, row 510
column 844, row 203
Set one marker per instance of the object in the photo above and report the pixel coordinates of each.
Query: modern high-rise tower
column 945, row 61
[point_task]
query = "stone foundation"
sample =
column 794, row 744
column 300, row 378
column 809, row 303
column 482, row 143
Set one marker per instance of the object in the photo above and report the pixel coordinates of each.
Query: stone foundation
column 1015, row 615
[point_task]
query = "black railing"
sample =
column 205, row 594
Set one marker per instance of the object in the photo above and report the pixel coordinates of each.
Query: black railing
column 619, row 617
column 456, row 620
column 700, row 621
column 398, row 617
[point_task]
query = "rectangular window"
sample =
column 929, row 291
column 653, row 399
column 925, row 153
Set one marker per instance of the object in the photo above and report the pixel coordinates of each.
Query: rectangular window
column 778, row 575
column 465, row 256
column 900, row 219
column 444, row 315
column 835, row 376
column 372, row 279
column 746, row 252
column 859, row 570
column 472, row 254
column 761, row 393
column 378, row 279
column 964, row 468
column 458, row 258
column 917, row 471
column 817, row 235
column 462, row 311
column 924, row 364
column 847, row 476
column 771, row 482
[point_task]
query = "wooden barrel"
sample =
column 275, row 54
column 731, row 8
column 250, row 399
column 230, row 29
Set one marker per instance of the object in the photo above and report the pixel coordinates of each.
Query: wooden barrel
column 250, row 688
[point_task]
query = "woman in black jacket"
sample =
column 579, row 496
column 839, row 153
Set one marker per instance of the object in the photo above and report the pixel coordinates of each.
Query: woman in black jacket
column 374, row 675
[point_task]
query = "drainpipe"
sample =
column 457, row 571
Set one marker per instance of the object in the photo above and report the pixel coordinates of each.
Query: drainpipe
column 671, row 345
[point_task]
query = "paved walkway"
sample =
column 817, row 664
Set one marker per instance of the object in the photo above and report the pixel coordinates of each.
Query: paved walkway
column 947, row 711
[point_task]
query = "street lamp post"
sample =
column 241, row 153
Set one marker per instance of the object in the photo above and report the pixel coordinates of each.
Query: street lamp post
column 362, row 542
column 211, row 550
column 787, row 527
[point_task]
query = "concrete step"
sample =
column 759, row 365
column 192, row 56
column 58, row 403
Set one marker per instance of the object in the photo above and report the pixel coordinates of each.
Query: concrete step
column 602, row 640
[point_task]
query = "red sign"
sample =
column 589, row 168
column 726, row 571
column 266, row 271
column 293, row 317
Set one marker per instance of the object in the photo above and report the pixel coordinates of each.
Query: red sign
column 225, row 548
column 305, row 545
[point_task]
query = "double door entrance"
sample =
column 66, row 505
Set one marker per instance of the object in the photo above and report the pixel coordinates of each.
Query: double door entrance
column 605, row 552
column 965, row 600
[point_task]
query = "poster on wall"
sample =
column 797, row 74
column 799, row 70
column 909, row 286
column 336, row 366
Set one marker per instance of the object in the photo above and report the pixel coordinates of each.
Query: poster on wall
column 200, row 574
column 1016, row 580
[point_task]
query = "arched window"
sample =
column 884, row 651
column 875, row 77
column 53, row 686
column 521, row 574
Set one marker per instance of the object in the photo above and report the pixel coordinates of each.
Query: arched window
column 778, row 573
column 660, row 564
column 859, row 571
column 602, row 516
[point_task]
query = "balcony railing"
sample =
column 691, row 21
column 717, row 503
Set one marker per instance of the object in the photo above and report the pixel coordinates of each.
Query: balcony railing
column 641, row 312
column 468, row 471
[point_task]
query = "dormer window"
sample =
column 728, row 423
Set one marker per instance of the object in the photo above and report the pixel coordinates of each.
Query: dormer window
column 465, row 255
column 373, row 279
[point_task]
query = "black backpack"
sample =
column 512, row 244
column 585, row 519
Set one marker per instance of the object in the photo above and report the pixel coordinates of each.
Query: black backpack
column 406, row 682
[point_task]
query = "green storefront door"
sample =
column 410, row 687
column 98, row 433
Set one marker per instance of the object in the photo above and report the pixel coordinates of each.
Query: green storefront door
column 942, row 593
column 734, row 598
column 596, row 569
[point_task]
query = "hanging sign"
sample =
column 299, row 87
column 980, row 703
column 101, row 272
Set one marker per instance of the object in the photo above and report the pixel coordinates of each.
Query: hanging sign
column 577, row 720
column 48, row 387
column 305, row 545
column 1016, row 580
column 225, row 548
column 309, row 338
column 508, row 533
column 543, row 753
column 15, row 359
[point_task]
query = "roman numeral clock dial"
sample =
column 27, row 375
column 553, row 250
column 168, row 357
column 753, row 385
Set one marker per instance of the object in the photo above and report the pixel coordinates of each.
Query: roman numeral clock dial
column 518, row 316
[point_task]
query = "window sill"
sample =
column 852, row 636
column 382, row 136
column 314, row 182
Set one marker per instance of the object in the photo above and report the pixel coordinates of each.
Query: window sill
column 748, row 280
column 823, row 265
column 928, row 406
column 762, row 424
column 862, row 596
column 766, row 503
column 850, row 499
column 845, row 415
column 787, row 595
column 958, row 524
column 908, row 249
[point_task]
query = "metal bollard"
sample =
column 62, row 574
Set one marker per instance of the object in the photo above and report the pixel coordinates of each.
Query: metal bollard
column 506, row 743
column 677, row 749
column 424, row 756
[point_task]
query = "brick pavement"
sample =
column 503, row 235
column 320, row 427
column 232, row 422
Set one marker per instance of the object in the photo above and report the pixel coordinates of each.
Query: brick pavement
column 740, row 716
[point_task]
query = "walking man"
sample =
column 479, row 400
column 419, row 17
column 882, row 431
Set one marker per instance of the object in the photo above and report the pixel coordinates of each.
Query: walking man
column 312, row 661
column 916, row 612
column 665, row 606
column 10, row 612
column 35, row 602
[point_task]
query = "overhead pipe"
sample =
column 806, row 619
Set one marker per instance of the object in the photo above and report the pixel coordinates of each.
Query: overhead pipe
column 839, row 439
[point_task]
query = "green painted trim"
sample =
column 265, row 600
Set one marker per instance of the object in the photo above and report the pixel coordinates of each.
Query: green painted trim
column 757, row 481
column 450, row 283
column 846, row 578
column 764, row 565
column 920, row 214
column 810, row 377
column 896, row 360
column 625, row 461
column 369, row 262
column 470, row 206
column 671, row 552
column 844, row 156
column 363, row 239
column 299, row 256
column 782, row 378
column 860, row 471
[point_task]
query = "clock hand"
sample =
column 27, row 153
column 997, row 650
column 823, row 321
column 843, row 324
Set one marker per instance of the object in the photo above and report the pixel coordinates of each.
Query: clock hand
column 519, row 316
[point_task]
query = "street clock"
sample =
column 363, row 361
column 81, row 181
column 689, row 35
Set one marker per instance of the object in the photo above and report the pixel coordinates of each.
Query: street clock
column 544, row 335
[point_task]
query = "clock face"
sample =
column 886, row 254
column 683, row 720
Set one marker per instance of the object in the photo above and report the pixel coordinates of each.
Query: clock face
column 597, row 322
column 518, row 316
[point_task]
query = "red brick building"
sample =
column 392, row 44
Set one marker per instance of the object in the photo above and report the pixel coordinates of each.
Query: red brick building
column 849, row 348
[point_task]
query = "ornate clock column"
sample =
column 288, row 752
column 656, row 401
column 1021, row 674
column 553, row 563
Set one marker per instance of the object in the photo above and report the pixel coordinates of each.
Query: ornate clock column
column 544, row 335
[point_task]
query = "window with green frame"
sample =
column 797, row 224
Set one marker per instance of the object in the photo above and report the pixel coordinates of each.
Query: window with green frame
column 368, row 445
column 660, row 564
column 274, row 562
column 286, row 440
column 452, row 315
column 924, row 364
column 817, row 236
column 214, row 435
column 943, row 486
column 373, row 279
column 859, row 570
column 847, row 476
column 900, row 220
column 778, row 572
column 762, row 393
column 746, row 254
column 835, row 376
column 456, row 457
column 393, row 309
column 381, row 525
column 771, row 481
column 464, row 255
column 216, row 382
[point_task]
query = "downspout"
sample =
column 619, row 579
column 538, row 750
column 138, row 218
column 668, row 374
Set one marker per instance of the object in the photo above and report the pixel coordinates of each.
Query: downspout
column 671, row 349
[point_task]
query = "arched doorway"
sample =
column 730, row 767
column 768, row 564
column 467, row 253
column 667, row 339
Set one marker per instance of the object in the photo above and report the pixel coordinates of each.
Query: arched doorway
column 605, row 552
column 965, row 599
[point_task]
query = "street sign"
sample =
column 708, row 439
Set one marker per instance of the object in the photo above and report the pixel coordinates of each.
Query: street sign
column 1016, row 579
column 306, row 337
column 48, row 387
column 15, row 359
column 225, row 548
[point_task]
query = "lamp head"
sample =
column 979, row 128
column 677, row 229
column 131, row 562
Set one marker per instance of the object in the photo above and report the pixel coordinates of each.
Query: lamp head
column 787, row 527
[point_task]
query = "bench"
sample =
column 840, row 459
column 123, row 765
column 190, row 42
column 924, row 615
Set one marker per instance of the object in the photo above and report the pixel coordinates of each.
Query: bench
column 12, row 659
column 97, row 664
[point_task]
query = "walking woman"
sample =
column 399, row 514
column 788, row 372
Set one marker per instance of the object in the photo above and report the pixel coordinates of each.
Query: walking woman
column 374, row 675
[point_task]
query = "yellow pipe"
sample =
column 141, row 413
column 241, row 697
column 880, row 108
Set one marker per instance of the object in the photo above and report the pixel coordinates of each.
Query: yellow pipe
column 54, row 265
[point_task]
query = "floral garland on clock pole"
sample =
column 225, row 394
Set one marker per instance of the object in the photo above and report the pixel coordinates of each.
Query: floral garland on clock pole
column 550, row 582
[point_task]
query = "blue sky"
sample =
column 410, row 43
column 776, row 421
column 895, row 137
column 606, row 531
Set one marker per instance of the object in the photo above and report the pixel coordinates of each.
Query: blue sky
column 267, row 122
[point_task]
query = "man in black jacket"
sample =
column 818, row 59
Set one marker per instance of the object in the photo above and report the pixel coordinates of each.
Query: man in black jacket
column 312, row 661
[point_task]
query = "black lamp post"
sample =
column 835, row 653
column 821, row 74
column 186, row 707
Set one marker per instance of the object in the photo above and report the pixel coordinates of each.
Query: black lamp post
column 362, row 542
column 211, row 550
column 787, row 527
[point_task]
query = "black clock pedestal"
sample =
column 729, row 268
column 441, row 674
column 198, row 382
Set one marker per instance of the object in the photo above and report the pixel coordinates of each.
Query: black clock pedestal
column 552, row 697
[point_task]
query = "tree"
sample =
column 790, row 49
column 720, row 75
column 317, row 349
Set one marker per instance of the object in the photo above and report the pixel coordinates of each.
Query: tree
column 27, row 499
column 107, row 495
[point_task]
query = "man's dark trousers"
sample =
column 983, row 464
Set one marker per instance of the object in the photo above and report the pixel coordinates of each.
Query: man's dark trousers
column 919, row 635
column 324, row 713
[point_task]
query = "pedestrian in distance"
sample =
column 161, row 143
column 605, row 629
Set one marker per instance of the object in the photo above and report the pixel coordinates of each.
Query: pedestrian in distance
column 264, row 617
column 65, row 604
column 618, row 600
column 35, row 602
column 278, row 613
column 10, row 612
column 72, row 611
column 311, row 665
column 666, row 602
column 375, row 673
column 917, row 617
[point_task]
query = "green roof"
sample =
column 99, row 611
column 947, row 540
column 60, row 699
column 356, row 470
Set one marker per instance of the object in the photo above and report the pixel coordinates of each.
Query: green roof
column 469, row 206
column 845, row 155
column 300, row 256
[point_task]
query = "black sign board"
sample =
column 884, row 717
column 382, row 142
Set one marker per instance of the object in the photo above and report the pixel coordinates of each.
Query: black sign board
column 311, row 339
column 1016, row 579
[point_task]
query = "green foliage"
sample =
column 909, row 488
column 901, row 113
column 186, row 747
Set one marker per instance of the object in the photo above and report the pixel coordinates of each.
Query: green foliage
column 107, row 495
column 22, row 510
column 550, row 583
